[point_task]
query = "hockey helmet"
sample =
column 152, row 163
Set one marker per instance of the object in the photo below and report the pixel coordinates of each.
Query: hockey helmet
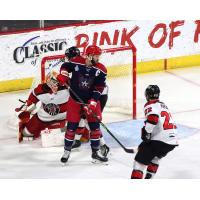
column 152, row 92
column 72, row 52
column 93, row 50
column 51, row 79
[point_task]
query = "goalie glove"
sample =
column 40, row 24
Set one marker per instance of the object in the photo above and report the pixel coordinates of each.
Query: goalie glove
column 91, row 107
column 145, row 136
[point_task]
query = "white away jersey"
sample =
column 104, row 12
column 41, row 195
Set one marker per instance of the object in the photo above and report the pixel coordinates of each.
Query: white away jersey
column 54, row 106
column 159, row 122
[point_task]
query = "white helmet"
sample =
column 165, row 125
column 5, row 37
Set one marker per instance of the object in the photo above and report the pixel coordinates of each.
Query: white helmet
column 51, row 79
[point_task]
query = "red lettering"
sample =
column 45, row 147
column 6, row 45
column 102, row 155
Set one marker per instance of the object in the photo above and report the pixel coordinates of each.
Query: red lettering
column 115, row 37
column 104, row 36
column 79, row 42
column 173, row 33
column 163, row 37
column 197, row 31
column 126, row 37
column 95, row 38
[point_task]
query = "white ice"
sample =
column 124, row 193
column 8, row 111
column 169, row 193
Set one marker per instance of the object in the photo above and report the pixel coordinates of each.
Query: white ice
column 179, row 90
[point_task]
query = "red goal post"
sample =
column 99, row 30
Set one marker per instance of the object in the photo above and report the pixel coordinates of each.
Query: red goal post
column 111, row 51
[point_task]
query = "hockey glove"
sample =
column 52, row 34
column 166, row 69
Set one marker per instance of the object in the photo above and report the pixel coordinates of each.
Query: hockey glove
column 91, row 107
column 145, row 136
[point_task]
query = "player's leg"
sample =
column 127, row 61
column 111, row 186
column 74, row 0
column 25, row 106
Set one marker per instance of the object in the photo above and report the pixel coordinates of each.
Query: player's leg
column 161, row 149
column 95, row 134
column 103, row 146
column 152, row 168
column 73, row 118
column 142, row 159
column 34, row 127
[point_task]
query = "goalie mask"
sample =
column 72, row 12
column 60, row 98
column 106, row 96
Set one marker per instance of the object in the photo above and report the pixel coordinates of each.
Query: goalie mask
column 152, row 92
column 72, row 52
column 93, row 53
column 52, row 82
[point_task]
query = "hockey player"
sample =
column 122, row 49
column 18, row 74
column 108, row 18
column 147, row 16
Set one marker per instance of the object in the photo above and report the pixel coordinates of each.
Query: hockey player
column 88, row 78
column 82, row 132
column 52, row 113
column 158, row 135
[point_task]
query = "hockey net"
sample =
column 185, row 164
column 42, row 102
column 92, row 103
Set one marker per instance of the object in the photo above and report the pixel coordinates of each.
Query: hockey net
column 121, row 78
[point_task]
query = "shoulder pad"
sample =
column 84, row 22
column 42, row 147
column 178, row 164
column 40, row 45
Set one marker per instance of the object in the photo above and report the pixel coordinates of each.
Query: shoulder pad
column 101, row 67
column 151, row 102
column 39, row 89
column 78, row 59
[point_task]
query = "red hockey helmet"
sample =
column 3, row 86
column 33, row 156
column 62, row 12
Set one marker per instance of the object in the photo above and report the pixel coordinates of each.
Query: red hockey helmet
column 94, row 50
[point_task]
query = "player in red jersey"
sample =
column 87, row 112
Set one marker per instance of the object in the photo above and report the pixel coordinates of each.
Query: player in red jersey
column 87, row 81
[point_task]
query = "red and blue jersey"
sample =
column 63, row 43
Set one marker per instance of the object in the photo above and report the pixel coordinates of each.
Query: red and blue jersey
column 86, row 81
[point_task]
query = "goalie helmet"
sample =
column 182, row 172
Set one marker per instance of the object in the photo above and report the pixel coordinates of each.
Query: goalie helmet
column 152, row 92
column 93, row 50
column 51, row 80
column 72, row 52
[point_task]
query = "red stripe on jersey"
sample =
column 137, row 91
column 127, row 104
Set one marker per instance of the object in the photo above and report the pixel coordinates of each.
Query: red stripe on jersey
column 153, row 119
column 32, row 98
column 39, row 89
column 151, row 102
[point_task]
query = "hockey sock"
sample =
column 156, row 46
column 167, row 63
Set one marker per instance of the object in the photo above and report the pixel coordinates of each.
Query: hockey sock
column 69, row 138
column 94, row 140
column 151, row 170
column 138, row 170
column 136, row 174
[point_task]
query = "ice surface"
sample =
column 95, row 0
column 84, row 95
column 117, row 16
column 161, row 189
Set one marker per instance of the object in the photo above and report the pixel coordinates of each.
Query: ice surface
column 179, row 90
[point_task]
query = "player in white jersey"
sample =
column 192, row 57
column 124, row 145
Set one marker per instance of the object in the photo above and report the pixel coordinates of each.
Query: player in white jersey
column 52, row 112
column 158, row 135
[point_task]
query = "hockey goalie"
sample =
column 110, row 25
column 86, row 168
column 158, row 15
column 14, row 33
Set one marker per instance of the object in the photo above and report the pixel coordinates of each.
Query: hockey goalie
column 52, row 112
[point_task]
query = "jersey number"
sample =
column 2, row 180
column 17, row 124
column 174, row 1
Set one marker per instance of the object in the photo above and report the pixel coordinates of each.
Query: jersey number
column 166, row 124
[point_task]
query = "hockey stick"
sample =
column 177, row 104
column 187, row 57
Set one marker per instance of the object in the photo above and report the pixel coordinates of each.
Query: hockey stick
column 102, row 124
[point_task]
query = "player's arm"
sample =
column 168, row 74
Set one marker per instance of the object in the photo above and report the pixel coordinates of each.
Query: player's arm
column 99, row 85
column 100, row 82
column 33, row 97
column 152, row 118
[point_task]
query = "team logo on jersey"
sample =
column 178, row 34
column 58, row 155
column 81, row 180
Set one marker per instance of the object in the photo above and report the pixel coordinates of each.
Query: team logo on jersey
column 85, row 82
column 76, row 68
column 52, row 109
column 97, row 72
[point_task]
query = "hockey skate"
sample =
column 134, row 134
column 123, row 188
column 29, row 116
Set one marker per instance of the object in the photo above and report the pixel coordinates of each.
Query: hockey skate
column 65, row 157
column 104, row 149
column 76, row 144
column 97, row 158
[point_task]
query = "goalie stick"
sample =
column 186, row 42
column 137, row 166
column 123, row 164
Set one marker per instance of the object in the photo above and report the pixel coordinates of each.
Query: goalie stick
column 19, row 109
column 103, row 125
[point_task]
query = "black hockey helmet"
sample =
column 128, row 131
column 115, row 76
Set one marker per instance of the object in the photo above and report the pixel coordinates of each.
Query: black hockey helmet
column 72, row 52
column 152, row 92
